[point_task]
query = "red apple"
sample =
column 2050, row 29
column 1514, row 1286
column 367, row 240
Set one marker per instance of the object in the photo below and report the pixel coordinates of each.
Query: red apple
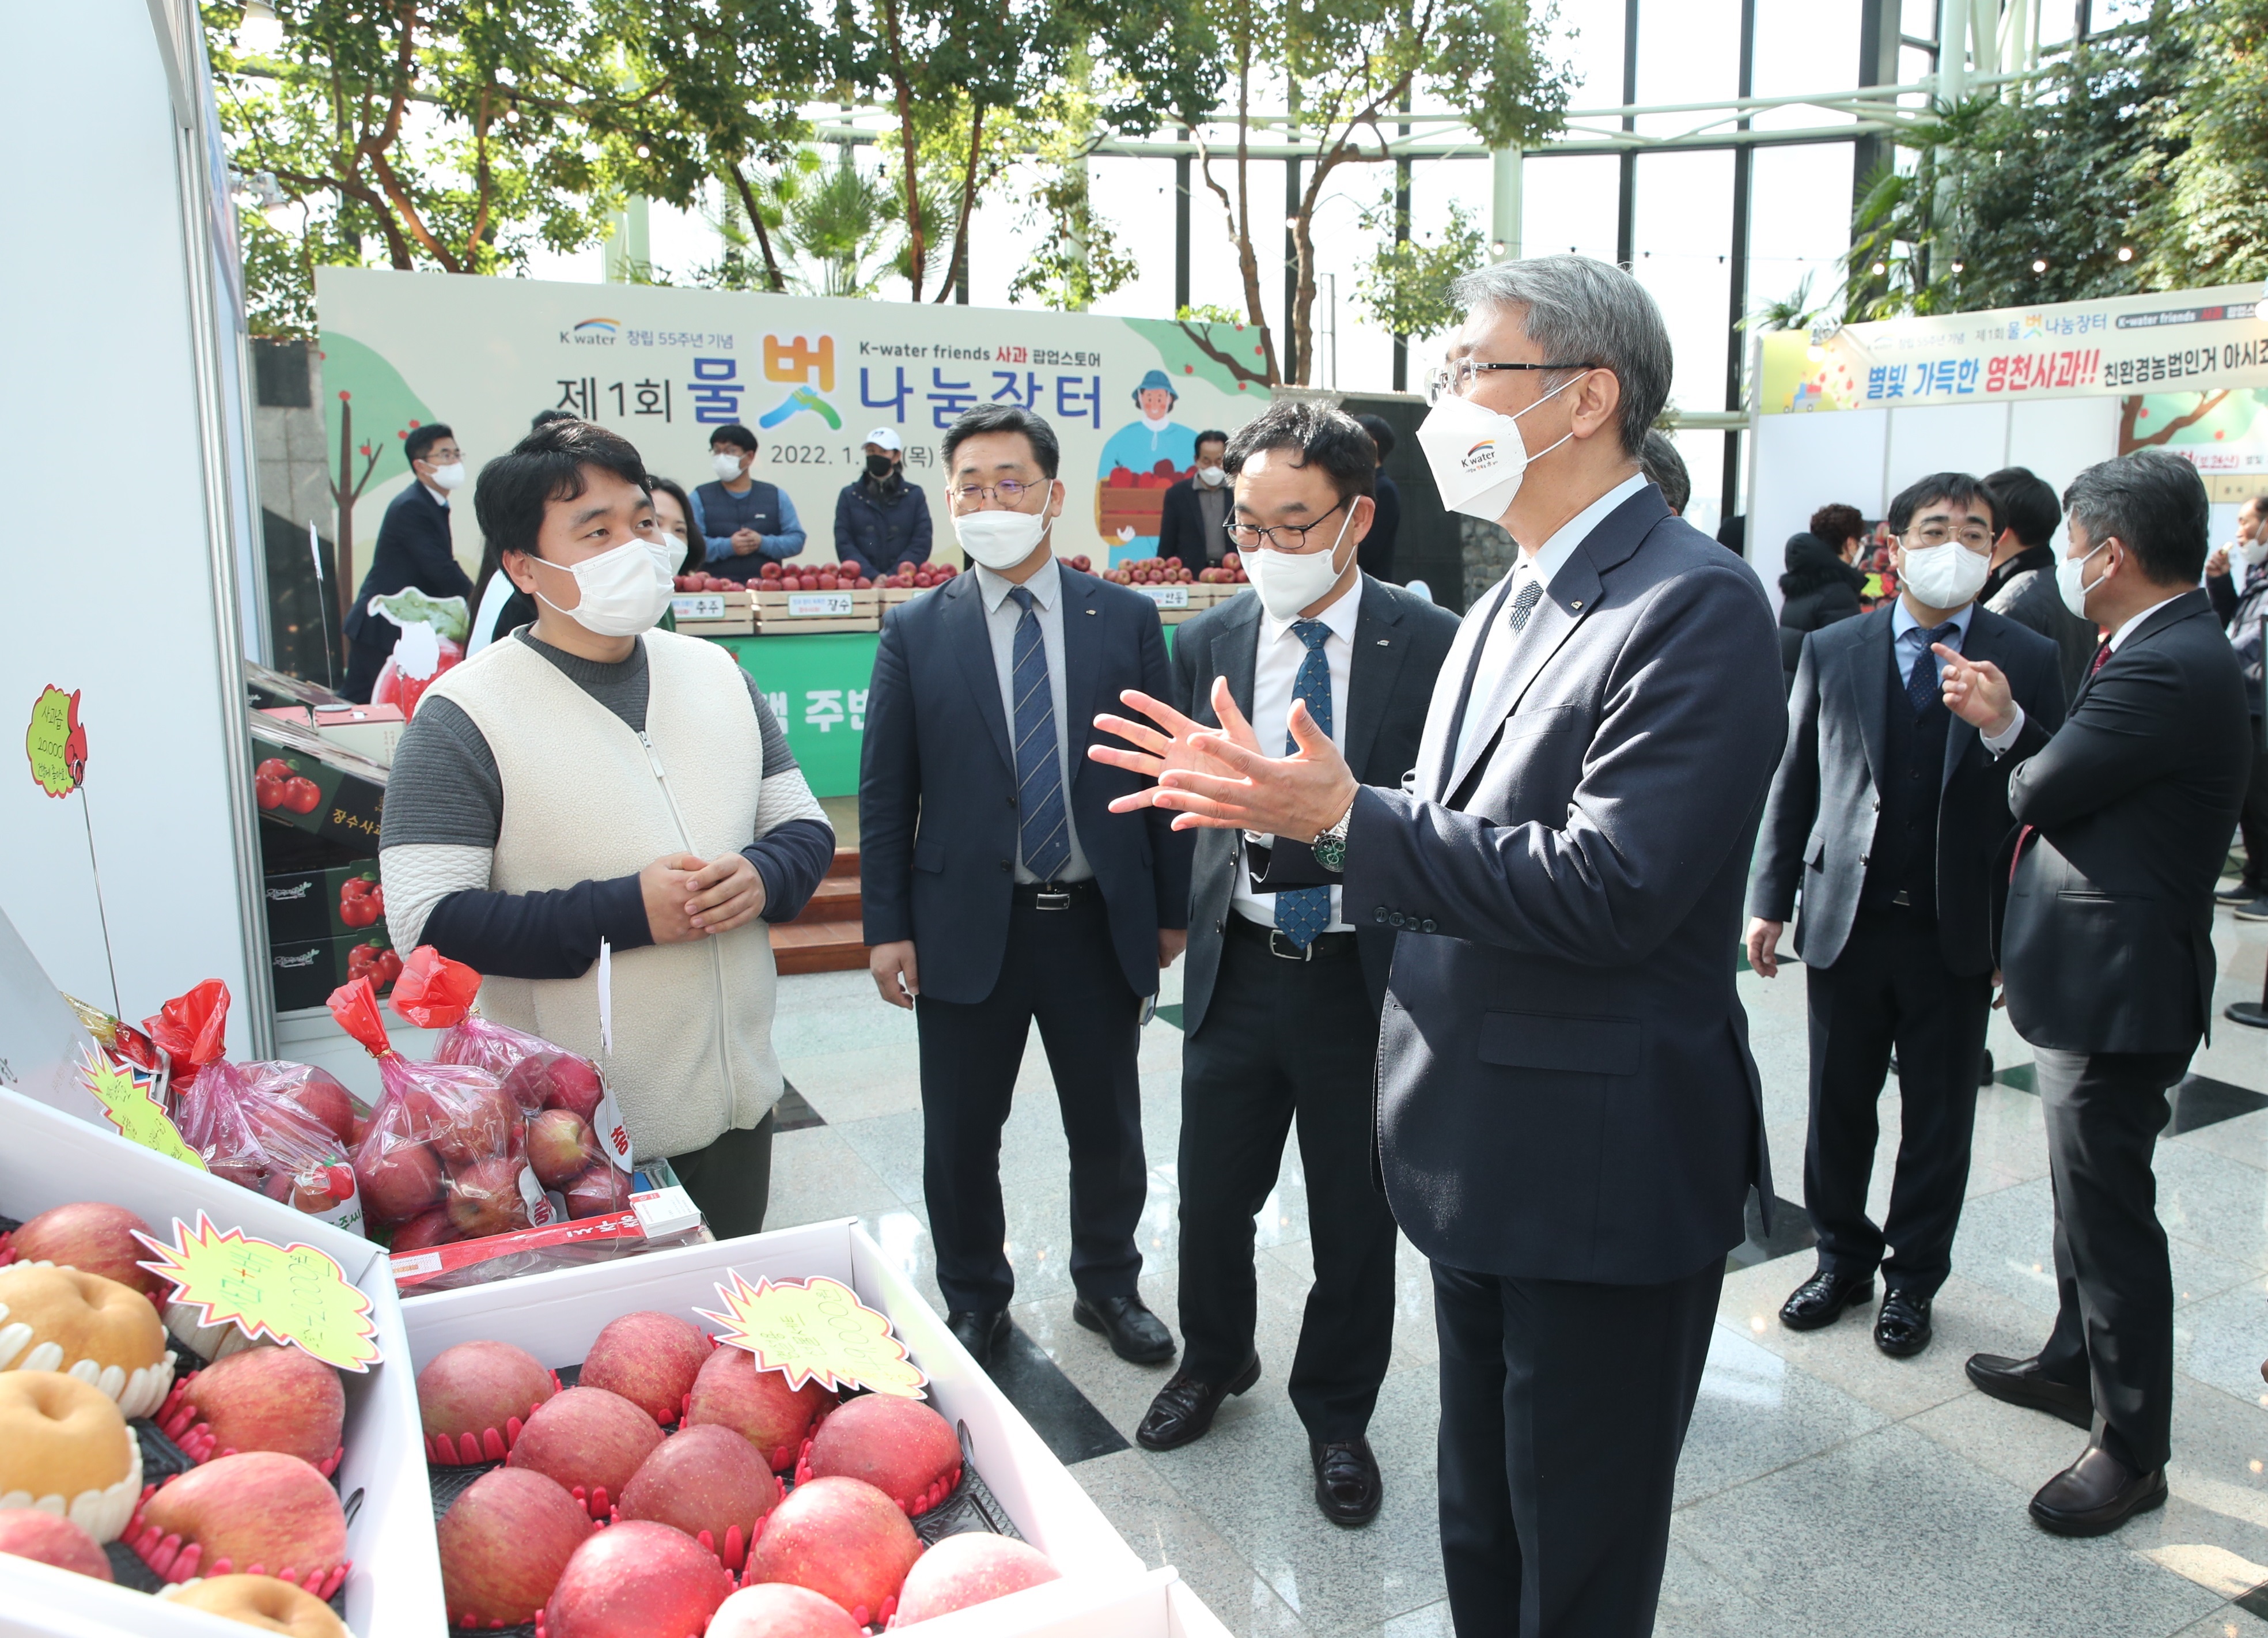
column 29, row 1532
column 484, row 1197
column 708, row 1482
column 637, row 1580
column 841, row 1538
column 268, row 1398
column 475, row 1121
column 974, row 1567
column 560, row 1146
column 95, row 1238
column 588, row 1440
column 901, row 1447
column 426, row 1231
column 575, row 1085
column 598, row 1191
column 504, row 1544
column 758, row 1404
column 399, row 1177
column 650, row 1359
column 479, row 1393
column 258, row 1513
column 320, row 1096
column 779, row 1610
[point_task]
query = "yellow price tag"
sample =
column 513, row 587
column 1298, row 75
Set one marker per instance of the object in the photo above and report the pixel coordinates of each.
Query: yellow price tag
column 129, row 1097
column 295, row 1294
column 816, row 1330
column 55, row 744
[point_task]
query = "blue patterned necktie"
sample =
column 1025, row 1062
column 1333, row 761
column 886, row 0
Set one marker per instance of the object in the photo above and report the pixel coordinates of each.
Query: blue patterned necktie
column 1045, row 832
column 1524, row 601
column 1921, row 681
column 1303, row 912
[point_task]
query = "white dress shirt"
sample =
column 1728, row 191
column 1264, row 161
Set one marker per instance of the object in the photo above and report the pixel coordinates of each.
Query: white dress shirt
column 1275, row 671
column 1001, row 616
column 1542, row 564
column 1997, row 743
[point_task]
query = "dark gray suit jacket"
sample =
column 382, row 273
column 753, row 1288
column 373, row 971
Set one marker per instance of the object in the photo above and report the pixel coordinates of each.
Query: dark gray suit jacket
column 2107, row 941
column 1826, row 800
column 1564, row 1084
column 1399, row 643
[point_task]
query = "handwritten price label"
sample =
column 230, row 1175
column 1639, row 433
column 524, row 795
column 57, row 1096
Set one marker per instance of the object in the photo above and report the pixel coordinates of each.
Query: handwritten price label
column 294, row 1293
column 129, row 1097
column 815, row 1330
column 54, row 743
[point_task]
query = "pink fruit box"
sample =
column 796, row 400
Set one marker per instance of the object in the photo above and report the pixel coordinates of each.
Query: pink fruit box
column 48, row 1159
column 555, row 1317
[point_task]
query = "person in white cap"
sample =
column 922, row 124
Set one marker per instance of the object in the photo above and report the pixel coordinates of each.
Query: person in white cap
column 881, row 522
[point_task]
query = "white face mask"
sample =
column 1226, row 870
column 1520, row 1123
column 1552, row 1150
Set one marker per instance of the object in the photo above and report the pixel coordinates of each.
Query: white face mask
column 728, row 467
column 449, row 477
column 2255, row 552
column 1477, row 456
column 624, row 588
column 1946, row 576
column 1214, row 477
column 2071, row 581
column 1000, row 540
column 1289, row 581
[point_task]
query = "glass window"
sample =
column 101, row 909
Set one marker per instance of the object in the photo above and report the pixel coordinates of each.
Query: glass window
column 1688, row 51
column 1799, row 221
column 1804, row 46
column 1682, row 254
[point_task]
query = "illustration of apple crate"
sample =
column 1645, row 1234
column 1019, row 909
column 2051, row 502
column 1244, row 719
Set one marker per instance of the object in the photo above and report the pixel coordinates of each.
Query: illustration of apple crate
column 1128, row 505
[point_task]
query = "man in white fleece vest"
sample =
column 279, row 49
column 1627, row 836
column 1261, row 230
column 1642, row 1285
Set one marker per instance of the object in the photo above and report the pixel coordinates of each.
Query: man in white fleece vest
column 590, row 778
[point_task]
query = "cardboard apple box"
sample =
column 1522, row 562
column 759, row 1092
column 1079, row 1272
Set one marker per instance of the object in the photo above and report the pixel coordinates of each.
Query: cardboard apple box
column 557, row 1315
column 50, row 1159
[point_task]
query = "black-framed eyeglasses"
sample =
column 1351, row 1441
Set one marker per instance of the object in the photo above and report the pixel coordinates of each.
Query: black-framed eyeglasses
column 1281, row 537
column 1456, row 380
column 1008, row 490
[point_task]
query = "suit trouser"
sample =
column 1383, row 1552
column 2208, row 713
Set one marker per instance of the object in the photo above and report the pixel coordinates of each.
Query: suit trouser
column 1060, row 970
column 1563, row 1408
column 365, row 662
column 2114, row 1329
column 1890, row 987
column 731, row 1179
column 1285, row 1040
column 2252, row 820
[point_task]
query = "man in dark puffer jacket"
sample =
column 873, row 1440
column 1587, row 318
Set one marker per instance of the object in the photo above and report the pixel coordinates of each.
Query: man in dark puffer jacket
column 1821, row 584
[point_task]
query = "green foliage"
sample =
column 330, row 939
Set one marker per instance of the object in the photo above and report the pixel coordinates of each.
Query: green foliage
column 1209, row 313
column 1404, row 286
column 2208, row 228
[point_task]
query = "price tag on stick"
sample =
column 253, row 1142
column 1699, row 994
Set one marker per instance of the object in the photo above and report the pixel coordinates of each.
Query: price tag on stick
column 295, row 1294
column 129, row 1097
column 816, row 1330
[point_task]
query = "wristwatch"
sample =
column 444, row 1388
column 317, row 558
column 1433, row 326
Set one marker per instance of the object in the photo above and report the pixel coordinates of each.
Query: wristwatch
column 1330, row 845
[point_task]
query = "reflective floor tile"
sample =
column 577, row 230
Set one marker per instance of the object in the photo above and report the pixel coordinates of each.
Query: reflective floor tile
column 1756, row 1412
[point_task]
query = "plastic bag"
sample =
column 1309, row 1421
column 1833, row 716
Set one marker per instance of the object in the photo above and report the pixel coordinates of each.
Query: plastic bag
column 192, row 1029
column 444, row 1156
column 237, row 1116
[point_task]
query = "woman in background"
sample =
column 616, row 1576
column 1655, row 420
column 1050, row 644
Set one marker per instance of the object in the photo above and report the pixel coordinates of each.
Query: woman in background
column 1821, row 584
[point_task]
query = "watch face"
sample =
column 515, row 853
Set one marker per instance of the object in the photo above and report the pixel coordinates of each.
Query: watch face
column 1330, row 851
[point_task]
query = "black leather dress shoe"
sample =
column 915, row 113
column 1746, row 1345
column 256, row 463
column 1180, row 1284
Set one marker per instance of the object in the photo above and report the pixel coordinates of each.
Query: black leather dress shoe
column 1821, row 1300
column 1902, row 1329
column 1185, row 1408
column 1135, row 1332
column 979, row 1330
column 1347, row 1486
column 2019, row 1382
column 2095, row 1494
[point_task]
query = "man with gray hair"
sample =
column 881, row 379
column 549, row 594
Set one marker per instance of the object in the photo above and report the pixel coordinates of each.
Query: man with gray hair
column 1569, row 1120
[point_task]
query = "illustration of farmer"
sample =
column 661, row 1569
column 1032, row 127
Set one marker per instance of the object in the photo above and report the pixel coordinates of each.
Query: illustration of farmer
column 1140, row 462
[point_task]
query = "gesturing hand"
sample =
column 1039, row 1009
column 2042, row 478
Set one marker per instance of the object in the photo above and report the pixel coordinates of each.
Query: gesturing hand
column 1177, row 742
column 1221, row 781
column 1976, row 692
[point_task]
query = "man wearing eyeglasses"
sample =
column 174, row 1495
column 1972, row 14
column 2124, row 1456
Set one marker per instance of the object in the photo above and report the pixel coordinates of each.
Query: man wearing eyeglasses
column 999, row 890
column 1886, row 812
column 1569, row 1122
column 1280, row 1002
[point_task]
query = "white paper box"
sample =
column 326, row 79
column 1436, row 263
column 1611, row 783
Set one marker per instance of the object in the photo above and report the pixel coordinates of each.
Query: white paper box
column 1156, row 1605
column 557, row 1315
column 48, row 1160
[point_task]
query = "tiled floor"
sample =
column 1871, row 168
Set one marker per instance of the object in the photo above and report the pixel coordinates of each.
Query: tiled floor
column 1825, row 1489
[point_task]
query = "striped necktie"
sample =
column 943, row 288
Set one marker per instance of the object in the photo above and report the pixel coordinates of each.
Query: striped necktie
column 1045, row 832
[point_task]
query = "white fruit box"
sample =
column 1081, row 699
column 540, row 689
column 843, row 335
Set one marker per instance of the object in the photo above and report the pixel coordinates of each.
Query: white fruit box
column 557, row 1315
column 744, row 626
column 49, row 1158
column 712, row 605
column 1159, row 1604
column 843, row 604
column 788, row 626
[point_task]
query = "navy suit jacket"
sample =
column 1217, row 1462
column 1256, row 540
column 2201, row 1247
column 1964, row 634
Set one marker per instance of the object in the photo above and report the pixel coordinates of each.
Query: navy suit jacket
column 1563, row 1080
column 937, row 785
column 1826, row 800
column 413, row 550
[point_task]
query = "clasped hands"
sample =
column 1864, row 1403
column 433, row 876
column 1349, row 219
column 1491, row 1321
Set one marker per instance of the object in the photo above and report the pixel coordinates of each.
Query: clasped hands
column 688, row 898
column 1218, row 778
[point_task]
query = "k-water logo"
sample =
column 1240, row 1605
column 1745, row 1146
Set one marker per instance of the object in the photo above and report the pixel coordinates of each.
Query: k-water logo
column 592, row 333
column 1480, row 457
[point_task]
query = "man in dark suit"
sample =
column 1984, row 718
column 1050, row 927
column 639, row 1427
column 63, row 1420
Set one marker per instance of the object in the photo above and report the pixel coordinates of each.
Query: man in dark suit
column 2240, row 602
column 1569, row 1120
column 1888, row 812
column 2021, row 584
column 2106, row 947
column 1190, row 526
column 413, row 550
column 998, row 887
column 1281, row 999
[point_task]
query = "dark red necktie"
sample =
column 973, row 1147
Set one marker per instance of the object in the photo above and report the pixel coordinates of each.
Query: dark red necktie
column 2101, row 659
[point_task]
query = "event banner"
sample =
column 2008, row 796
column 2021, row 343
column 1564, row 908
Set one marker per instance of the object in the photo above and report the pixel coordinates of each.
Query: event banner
column 2182, row 345
column 811, row 376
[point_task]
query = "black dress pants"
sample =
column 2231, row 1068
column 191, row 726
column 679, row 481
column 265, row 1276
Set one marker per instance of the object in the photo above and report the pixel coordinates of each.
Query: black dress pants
column 2252, row 819
column 1061, row 971
column 1287, row 1040
column 1889, row 986
column 731, row 1180
column 2113, row 1330
column 1563, row 1408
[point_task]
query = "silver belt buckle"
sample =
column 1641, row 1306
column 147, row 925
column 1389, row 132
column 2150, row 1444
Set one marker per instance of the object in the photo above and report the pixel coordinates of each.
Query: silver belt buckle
column 1051, row 898
column 1902, row 899
column 1292, row 952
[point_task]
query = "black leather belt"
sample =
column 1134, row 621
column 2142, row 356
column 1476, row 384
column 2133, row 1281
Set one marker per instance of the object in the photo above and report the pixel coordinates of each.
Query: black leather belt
column 1326, row 944
column 1054, row 895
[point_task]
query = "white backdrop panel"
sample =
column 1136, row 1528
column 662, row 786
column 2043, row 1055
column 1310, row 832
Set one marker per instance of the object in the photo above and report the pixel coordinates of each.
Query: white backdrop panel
column 1951, row 438
column 2056, row 436
column 1803, row 462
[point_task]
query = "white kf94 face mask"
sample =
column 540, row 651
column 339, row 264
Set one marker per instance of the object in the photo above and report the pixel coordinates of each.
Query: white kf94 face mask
column 1000, row 540
column 624, row 588
column 1947, row 576
column 728, row 466
column 1477, row 454
column 1288, row 581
